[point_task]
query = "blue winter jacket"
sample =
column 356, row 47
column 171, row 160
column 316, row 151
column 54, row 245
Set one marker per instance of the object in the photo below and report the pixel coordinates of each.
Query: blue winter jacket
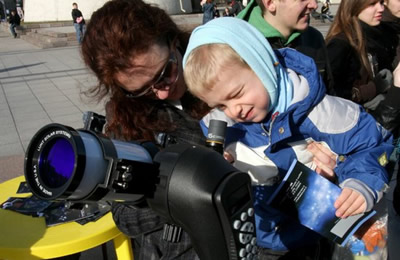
column 266, row 150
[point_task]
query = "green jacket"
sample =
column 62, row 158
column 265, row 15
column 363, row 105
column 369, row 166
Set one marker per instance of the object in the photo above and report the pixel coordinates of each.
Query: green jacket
column 252, row 14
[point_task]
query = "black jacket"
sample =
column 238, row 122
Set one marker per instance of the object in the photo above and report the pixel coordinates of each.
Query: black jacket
column 351, row 80
column 15, row 19
column 389, row 109
column 390, row 27
column 388, row 112
column 75, row 14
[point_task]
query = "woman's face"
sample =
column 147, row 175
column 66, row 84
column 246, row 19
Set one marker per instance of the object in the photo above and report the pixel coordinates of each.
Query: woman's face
column 372, row 14
column 157, row 73
column 394, row 7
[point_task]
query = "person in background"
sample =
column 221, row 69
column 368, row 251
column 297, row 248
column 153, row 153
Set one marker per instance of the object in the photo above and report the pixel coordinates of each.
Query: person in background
column 216, row 12
column 353, row 51
column 79, row 22
column 276, row 103
column 236, row 7
column 325, row 13
column 2, row 13
column 208, row 10
column 139, row 73
column 391, row 24
column 391, row 27
column 226, row 12
column 14, row 21
column 285, row 23
column 362, row 62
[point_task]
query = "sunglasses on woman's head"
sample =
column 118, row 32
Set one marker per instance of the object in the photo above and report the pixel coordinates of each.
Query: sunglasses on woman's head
column 168, row 76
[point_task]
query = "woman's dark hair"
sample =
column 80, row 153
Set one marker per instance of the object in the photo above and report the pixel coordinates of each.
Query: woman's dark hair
column 117, row 32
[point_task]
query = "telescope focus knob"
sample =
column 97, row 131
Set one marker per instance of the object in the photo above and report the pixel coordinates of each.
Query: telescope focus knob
column 122, row 185
column 127, row 176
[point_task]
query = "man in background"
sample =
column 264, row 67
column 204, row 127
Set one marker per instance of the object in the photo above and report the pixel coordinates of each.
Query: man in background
column 14, row 21
column 79, row 23
column 236, row 7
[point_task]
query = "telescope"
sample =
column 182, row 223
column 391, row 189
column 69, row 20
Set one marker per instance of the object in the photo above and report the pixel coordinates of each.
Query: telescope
column 193, row 187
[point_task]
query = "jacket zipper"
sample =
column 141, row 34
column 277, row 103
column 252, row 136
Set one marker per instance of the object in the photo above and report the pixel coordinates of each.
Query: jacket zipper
column 268, row 133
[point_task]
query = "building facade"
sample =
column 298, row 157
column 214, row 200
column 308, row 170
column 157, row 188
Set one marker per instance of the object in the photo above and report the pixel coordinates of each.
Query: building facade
column 60, row 10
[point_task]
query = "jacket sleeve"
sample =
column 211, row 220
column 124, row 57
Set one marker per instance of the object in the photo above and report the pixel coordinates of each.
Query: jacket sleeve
column 363, row 146
column 73, row 16
column 369, row 148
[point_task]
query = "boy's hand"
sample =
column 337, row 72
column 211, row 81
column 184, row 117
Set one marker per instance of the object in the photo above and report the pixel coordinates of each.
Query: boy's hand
column 349, row 203
column 324, row 159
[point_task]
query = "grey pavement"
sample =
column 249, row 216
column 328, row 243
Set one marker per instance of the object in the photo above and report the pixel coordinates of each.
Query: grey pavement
column 38, row 87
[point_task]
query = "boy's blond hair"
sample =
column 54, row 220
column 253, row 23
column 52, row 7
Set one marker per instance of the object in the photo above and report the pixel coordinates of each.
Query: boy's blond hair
column 205, row 63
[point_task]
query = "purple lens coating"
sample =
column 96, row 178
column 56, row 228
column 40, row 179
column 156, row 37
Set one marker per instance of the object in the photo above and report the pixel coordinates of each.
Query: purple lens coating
column 56, row 162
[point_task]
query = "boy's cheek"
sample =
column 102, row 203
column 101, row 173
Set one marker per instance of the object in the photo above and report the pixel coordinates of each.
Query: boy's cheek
column 230, row 115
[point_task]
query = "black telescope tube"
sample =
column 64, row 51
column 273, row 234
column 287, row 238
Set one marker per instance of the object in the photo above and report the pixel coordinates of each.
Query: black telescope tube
column 62, row 163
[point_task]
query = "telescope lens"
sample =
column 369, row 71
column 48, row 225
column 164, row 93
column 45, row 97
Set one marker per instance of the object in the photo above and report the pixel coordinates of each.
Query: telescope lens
column 56, row 162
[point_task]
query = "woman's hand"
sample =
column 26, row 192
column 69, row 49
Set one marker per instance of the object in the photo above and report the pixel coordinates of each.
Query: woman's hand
column 324, row 159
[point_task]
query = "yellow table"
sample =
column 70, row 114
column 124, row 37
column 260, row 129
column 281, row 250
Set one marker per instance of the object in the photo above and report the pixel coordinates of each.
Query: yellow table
column 26, row 237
